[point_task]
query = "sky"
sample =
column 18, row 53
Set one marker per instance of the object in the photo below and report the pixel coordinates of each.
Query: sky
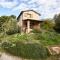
column 47, row 8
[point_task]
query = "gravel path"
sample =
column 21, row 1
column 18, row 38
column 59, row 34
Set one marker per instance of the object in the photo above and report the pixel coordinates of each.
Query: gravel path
column 5, row 56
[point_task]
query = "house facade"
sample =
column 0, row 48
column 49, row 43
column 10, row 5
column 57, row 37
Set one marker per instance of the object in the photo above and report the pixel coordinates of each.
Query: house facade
column 28, row 20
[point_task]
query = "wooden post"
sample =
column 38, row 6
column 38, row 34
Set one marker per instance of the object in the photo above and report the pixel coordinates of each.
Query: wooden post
column 28, row 26
column 21, row 27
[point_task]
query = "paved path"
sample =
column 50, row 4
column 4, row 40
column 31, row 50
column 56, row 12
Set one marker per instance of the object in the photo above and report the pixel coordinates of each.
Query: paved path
column 5, row 56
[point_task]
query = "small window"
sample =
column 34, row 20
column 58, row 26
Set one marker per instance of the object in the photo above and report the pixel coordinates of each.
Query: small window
column 28, row 15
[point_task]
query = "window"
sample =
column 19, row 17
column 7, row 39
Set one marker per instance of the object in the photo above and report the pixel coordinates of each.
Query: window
column 28, row 15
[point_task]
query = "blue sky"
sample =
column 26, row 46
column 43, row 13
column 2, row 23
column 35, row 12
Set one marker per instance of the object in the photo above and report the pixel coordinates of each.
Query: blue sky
column 47, row 8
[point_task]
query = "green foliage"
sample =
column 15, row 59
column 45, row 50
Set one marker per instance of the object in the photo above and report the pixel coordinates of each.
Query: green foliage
column 13, row 16
column 31, row 46
column 3, row 19
column 36, row 31
column 44, row 38
column 8, row 24
column 57, row 22
column 48, row 38
column 12, row 27
column 27, row 45
column 48, row 25
column 28, row 51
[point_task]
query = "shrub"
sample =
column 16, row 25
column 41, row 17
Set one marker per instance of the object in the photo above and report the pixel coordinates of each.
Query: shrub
column 36, row 31
column 10, row 27
column 30, row 51
column 47, row 38
column 48, row 25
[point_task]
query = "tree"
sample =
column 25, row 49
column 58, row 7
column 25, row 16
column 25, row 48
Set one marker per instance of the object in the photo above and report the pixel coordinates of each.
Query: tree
column 48, row 24
column 3, row 19
column 10, row 27
column 8, row 24
column 57, row 22
column 13, row 16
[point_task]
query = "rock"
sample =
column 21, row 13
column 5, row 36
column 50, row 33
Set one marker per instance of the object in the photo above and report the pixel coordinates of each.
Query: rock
column 54, row 50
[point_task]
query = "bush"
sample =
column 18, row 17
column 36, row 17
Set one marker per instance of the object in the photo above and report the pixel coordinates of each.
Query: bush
column 10, row 27
column 30, row 51
column 12, row 31
column 36, row 31
column 48, row 25
column 47, row 38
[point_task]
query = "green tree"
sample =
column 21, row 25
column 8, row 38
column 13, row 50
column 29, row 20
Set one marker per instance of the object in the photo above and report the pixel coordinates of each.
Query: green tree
column 13, row 16
column 57, row 22
column 48, row 24
column 3, row 19
column 8, row 24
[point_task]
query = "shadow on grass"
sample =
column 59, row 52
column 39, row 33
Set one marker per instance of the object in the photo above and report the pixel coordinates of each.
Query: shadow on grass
column 28, row 51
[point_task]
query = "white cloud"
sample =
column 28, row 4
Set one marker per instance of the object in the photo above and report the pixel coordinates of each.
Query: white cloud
column 7, row 4
column 21, row 7
column 47, row 8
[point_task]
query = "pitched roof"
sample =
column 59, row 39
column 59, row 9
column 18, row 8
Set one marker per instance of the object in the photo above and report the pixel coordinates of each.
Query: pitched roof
column 30, row 10
column 26, row 11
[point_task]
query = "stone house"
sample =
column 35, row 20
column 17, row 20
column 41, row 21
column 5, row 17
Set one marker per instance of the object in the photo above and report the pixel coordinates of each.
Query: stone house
column 28, row 20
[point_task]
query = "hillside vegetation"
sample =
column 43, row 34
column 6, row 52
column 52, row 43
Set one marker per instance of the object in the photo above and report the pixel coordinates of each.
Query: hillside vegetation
column 29, row 46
